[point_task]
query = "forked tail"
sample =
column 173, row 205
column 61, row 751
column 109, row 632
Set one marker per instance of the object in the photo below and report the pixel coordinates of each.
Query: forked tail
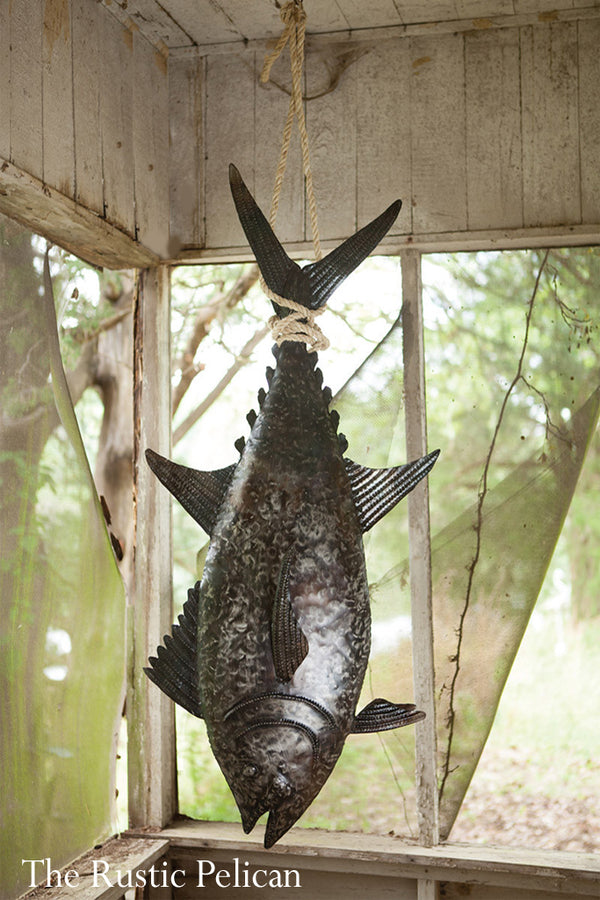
column 313, row 284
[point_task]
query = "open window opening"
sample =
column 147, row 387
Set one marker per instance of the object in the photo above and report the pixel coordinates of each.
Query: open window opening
column 511, row 392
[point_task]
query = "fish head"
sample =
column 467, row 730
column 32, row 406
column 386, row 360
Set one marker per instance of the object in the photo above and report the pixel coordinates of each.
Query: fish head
column 277, row 769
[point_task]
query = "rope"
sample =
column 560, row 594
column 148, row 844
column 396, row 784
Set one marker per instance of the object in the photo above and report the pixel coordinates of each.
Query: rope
column 300, row 324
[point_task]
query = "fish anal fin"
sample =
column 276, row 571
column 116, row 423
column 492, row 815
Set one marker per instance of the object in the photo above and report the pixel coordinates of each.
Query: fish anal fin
column 288, row 641
column 200, row 493
column 377, row 491
column 175, row 668
column 382, row 715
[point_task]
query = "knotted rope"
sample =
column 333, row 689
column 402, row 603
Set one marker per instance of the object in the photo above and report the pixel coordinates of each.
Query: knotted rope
column 299, row 325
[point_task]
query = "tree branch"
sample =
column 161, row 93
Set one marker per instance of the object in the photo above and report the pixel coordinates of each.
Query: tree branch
column 207, row 314
column 241, row 361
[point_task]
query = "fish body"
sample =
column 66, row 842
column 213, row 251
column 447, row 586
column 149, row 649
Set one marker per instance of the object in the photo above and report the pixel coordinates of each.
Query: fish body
column 273, row 643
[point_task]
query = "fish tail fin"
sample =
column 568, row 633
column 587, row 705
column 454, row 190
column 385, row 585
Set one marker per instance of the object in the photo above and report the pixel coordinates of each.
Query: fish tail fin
column 312, row 285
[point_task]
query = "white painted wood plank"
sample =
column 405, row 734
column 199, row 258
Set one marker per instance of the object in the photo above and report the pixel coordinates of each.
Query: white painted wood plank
column 5, row 16
column 26, row 86
column 203, row 20
column 551, row 175
column 150, row 713
column 255, row 20
column 323, row 15
column 383, row 161
column 186, row 155
column 589, row 119
column 116, row 116
column 494, row 177
column 151, row 145
column 272, row 106
column 230, row 136
column 420, row 552
column 414, row 11
column 87, row 52
column 359, row 14
column 57, row 97
column 153, row 21
column 483, row 9
column 438, row 133
column 331, row 126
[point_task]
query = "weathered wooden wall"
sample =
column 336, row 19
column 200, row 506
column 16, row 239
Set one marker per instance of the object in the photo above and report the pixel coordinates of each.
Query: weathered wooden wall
column 118, row 148
column 491, row 137
column 84, row 130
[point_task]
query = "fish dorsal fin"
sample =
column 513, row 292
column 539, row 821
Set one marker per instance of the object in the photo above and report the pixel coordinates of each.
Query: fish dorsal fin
column 288, row 641
column 175, row 667
column 376, row 491
column 382, row 715
column 312, row 285
column 200, row 493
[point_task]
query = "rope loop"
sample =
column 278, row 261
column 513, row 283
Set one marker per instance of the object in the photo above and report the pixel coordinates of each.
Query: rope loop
column 299, row 325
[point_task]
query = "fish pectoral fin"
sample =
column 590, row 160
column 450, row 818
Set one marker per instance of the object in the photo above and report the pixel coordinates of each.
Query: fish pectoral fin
column 382, row 715
column 200, row 493
column 175, row 667
column 376, row 491
column 288, row 641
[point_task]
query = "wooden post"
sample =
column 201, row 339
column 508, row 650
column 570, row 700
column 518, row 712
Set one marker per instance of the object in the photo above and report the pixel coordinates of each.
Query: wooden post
column 150, row 714
column 420, row 553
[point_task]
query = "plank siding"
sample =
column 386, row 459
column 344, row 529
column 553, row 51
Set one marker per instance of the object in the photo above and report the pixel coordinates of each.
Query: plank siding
column 383, row 156
column 151, row 146
column 26, row 122
column 230, row 137
column 57, row 97
column 186, row 152
column 589, row 119
column 551, row 171
column 438, row 134
column 87, row 50
column 116, row 114
column 490, row 134
column 493, row 138
column 331, row 126
column 272, row 104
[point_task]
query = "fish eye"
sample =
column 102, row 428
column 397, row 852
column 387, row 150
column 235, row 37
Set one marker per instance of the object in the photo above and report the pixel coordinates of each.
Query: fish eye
column 249, row 771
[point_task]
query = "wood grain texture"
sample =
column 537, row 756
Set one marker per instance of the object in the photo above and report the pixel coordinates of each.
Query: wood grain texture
column 272, row 104
column 87, row 53
column 150, row 714
column 493, row 139
column 151, row 146
column 57, row 97
column 383, row 154
column 116, row 117
column 420, row 551
column 230, row 137
column 62, row 221
column 5, row 91
column 552, row 873
column 589, row 119
column 438, row 133
column 331, row 126
column 550, row 124
column 26, row 122
column 186, row 154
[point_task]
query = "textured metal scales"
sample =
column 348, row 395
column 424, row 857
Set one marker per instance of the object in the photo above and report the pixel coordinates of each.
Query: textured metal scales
column 272, row 646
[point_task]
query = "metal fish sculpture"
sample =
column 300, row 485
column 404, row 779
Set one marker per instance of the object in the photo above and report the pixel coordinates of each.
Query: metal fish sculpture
column 272, row 645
